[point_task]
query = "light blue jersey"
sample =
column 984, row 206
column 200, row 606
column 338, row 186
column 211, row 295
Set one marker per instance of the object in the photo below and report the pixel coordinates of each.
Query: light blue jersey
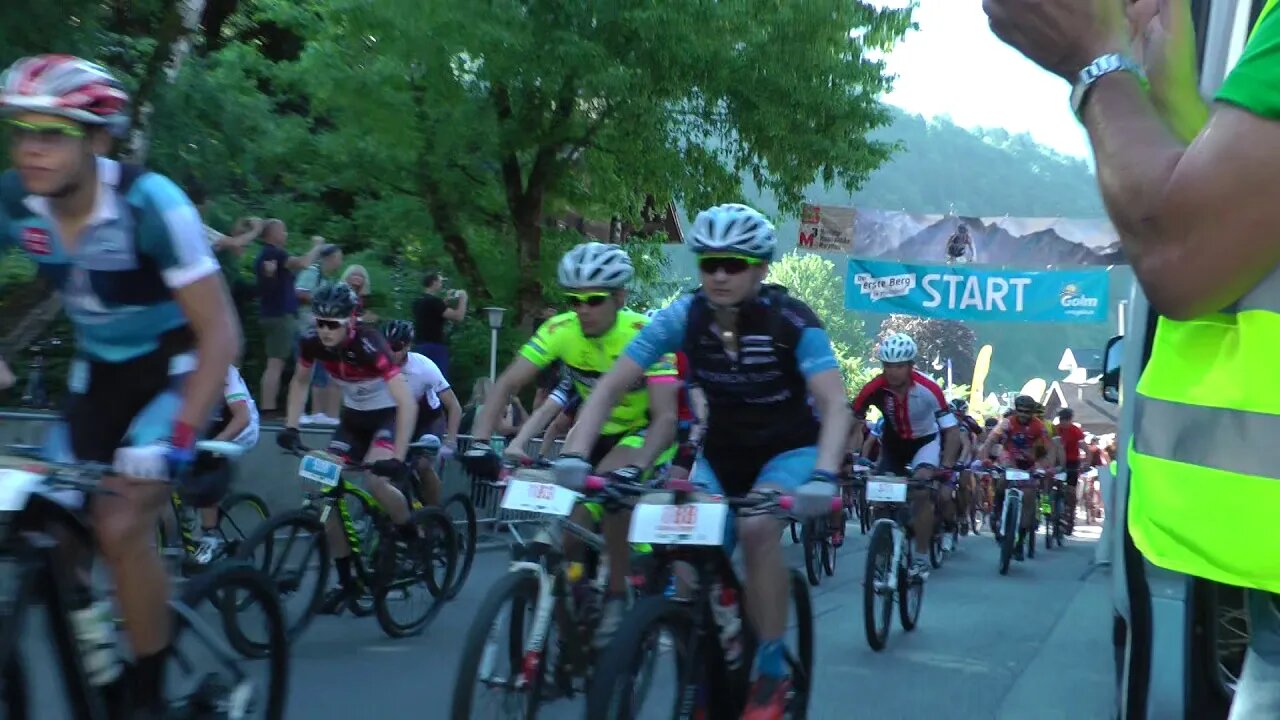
column 143, row 241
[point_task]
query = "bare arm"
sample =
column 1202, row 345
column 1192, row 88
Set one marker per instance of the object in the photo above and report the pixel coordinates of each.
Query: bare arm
column 951, row 445
column 664, row 411
column 828, row 392
column 239, row 421
column 217, row 331
column 300, row 262
column 458, row 312
column 406, row 413
column 299, row 386
column 559, row 428
column 453, row 416
column 1197, row 222
column 541, row 417
column 519, row 373
column 595, row 409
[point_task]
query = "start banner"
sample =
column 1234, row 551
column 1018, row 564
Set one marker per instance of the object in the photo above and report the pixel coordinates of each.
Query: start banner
column 954, row 292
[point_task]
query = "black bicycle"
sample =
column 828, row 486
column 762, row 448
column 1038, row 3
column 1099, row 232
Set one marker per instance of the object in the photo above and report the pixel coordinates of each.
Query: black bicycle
column 238, row 516
column 206, row 678
column 818, row 538
column 291, row 547
column 714, row 648
column 1053, row 508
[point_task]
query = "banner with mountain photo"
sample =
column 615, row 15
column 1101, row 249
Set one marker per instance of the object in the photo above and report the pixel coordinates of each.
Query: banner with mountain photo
column 955, row 292
column 1022, row 242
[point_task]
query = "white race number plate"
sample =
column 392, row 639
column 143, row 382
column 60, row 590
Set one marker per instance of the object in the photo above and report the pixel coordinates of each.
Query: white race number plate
column 545, row 498
column 320, row 469
column 886, row 492
column 15, row 487
column 688, row 524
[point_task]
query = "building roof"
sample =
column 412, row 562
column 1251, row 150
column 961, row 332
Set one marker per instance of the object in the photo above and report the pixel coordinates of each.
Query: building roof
column 1073, row 358
column 653, row 219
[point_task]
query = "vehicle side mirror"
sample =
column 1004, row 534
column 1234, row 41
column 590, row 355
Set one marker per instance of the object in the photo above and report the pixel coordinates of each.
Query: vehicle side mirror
column 1111, row 369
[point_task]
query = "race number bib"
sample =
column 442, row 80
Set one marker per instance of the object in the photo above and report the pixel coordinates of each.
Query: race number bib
column 879, row 491
column 545, row 498
column 319, row 469
column 688, row 524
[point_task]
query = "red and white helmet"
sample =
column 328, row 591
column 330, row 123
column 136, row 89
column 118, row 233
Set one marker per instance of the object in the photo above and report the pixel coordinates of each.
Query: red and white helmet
column 65, row 86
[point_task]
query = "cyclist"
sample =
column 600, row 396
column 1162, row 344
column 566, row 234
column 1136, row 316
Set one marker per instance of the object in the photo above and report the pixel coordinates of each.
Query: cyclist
column 587, row 339
column 919, row 431
column 970, row 431
column 690, row 420
column 236, row 422
column 376, row 422
column 960, row 245
column 761, row 430
column 1022, row 441
column 439, row 412
column 155, row 330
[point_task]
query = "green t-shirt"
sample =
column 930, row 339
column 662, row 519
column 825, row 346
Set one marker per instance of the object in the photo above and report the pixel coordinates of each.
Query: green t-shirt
column 1254, row 83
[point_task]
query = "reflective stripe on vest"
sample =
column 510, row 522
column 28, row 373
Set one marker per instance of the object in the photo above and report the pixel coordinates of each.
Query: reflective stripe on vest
column 1204, row 459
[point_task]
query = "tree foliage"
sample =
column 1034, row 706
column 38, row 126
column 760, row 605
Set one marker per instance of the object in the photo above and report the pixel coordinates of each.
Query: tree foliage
column 938, row 341
column 815, row 280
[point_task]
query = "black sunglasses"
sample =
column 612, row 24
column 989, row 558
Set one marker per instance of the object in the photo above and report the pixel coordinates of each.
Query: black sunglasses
column 588, row 299
column 330, row 324
column 730, row 264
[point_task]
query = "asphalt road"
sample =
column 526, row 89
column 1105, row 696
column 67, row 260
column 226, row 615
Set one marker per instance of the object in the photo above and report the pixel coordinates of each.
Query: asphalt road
column 1034, row 643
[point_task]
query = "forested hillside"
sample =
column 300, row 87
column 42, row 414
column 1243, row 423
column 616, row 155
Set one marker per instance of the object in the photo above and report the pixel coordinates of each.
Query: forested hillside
column 943, row 168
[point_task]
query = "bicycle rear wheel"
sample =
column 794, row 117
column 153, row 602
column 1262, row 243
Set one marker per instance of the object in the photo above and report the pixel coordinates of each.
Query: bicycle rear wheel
column 809, row 536
column 428, row 561
column 291, row 550
column 239, row 516
column 910, row 598
column 205, row 678
column 462, row 513
column 877, row 598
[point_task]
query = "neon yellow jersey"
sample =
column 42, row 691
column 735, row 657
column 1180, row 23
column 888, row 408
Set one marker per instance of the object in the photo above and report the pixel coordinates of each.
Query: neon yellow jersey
column 587, row 359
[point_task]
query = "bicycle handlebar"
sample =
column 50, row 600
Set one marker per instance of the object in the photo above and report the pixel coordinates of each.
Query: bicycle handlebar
column 756, row 503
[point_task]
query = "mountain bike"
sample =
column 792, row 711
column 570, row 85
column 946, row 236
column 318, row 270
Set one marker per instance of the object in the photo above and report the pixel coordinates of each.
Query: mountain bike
column 713, row 648
column 238, row 516
column 888, row 578
column 1011, row 514
column 205, row 677
column 816, row 535
column 386, row 565
column 555, row 606
column 459, row 508
column 1053, row 508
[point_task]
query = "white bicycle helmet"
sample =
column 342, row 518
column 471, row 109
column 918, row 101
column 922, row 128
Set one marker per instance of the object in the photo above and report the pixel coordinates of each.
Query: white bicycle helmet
column 897, row 348
column 595, row 265
column 65, row 86
column 733, row 228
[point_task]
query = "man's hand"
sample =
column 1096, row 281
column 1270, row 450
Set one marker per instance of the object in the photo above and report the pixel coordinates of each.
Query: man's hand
column 317, row 241
column 1061, row 36
column 1164, row 41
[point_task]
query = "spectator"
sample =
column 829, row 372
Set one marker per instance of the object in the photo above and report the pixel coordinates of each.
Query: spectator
column 228, row 249
column 277, row 306
column 429, row 313
column 358, row 278
column 508, row 424
column 326, row 398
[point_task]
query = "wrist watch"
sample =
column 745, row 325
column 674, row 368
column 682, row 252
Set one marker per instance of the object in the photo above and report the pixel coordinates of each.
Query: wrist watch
column 1094, row 71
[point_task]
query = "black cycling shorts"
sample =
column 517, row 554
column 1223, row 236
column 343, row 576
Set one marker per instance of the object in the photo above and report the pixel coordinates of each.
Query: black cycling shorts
column 430, row 420
column 360, row 430
column 1073, row 472
column 111, row 405
column 896, row 454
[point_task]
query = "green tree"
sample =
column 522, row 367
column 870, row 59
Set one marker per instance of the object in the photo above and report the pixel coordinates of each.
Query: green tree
column 938, row 341
column 815, row 280
column 507, row 113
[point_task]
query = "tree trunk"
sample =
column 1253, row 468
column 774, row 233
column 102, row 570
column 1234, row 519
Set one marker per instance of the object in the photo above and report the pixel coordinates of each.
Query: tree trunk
column 529, row 257
column 173, row 44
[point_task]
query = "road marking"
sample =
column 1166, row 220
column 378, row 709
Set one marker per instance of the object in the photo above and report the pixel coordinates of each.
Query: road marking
column 948, row 662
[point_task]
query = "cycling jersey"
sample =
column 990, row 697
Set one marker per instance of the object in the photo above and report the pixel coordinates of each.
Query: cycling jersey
column 586, row 359
column 361, row 366
column 757, row 397
column 143, row 241
column 1023, row 443
column 426, row 382
column 920, row 412
column 234, row 391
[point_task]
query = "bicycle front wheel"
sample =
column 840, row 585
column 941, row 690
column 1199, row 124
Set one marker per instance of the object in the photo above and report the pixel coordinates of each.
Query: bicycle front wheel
column 205, row 677
column 292, row 551
column 655, row 627
column 480, row 682
column 403, row 567
column 877, row 594
column 801, row 661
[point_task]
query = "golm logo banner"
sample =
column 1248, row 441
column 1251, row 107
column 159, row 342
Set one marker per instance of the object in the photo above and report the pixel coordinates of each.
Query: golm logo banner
column 979, row 294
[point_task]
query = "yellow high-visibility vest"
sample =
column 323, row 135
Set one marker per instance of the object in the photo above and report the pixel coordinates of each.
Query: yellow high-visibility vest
column 1204, row 458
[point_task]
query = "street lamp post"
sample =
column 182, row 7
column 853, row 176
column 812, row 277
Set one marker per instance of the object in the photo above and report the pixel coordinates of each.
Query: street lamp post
column 494, row 315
